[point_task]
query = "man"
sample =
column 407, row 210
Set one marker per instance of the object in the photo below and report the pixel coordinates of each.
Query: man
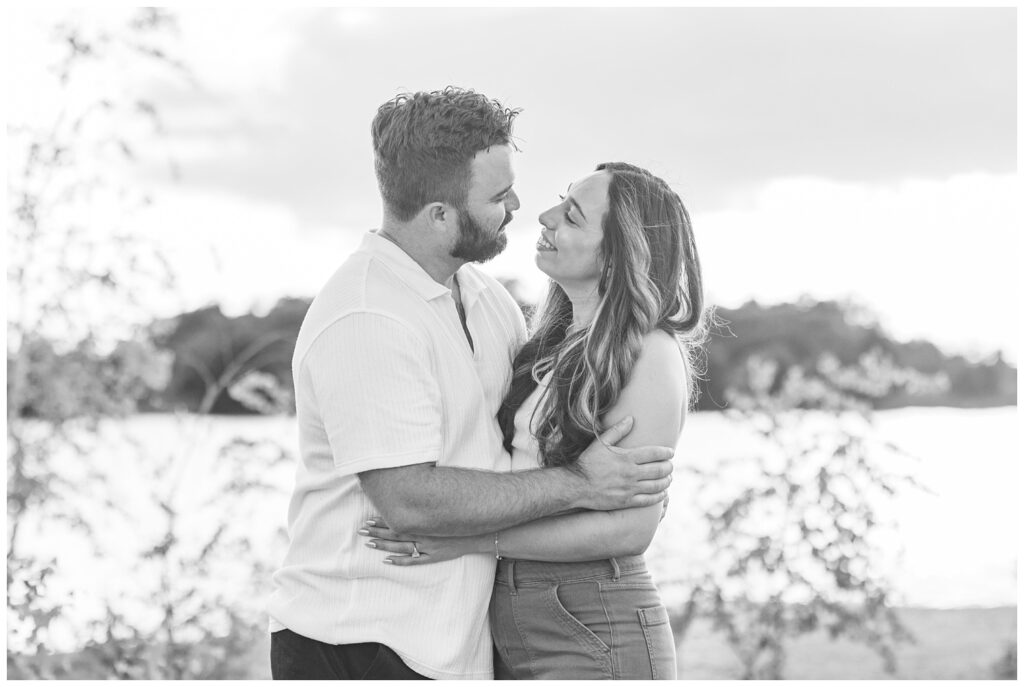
column 400, row 368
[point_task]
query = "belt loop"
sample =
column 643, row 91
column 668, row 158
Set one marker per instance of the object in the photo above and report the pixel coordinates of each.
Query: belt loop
column 512, row 575
column 615, row 569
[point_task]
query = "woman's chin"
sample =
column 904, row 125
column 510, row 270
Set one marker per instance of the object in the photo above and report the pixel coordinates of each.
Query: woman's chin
column 541, row 259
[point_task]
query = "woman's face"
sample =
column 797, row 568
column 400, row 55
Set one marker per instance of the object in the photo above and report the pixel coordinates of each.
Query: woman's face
column 569, row 250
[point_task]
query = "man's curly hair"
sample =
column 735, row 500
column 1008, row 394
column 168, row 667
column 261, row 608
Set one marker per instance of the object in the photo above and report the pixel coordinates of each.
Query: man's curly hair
column 423, row 144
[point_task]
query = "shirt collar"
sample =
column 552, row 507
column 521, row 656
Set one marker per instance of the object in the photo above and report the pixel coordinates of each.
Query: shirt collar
column 404, row 267
column 470, row 285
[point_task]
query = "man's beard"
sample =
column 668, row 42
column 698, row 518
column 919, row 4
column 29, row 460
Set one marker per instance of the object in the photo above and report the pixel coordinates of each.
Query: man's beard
column 473, row 244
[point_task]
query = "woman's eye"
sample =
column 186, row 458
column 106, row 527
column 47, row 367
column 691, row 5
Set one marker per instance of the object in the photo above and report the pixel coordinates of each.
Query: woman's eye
column 567, row 217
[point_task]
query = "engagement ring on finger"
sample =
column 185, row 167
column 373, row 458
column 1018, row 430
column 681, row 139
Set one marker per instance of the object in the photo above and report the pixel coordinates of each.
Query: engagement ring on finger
column 415, row 551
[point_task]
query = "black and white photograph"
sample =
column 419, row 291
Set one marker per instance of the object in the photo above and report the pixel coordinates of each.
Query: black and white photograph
column 512, row 343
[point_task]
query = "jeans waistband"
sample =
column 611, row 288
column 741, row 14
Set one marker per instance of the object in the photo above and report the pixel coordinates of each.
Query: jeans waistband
column 516, row 572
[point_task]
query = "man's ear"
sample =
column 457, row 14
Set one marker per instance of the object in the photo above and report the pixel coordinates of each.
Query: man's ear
column 440, row 216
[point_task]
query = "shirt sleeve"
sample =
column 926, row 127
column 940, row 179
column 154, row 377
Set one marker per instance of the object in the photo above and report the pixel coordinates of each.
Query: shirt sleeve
column 375, row 388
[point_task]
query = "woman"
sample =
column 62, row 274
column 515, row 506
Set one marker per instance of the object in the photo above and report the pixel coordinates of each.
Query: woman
column 616, row 337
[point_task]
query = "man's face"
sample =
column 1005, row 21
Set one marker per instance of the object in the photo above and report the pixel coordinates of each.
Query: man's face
column 490, row 203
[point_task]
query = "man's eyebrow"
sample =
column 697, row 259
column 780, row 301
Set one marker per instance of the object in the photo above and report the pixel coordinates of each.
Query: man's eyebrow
column 502, row 192
column 574, row 203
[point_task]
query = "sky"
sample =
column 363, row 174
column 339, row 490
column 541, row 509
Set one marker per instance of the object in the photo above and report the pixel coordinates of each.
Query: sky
column 863, row 154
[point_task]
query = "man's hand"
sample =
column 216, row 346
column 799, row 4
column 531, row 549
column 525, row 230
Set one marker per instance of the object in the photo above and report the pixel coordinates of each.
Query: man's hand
column 624, row 478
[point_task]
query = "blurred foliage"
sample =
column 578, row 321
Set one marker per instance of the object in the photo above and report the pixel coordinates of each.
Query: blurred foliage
column 1006, row 667
column 65, row 373
column 76, row 361
column 72, row 182
column 795, row 529
column 186, row 628
column 212, row 351
column 67, row 377
column 792, row 335
column 798, row 334
column 82, row 382
column 201, row 632
column 127, row 654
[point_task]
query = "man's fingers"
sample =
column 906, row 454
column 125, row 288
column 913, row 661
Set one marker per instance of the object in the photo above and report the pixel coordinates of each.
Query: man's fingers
column 657, row 470
column 653, row 486
column 614, row 434
column 642, row 500
column 650, row 454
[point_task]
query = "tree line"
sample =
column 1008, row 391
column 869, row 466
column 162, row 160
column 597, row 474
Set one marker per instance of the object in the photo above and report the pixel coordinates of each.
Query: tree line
column 211, row 350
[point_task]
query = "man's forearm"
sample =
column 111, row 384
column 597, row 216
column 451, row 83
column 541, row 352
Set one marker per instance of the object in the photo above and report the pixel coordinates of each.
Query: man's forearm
column 431, row 500
column 456, row 501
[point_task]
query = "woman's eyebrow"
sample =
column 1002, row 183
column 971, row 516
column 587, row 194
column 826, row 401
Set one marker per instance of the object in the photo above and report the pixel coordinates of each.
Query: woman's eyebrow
column 574, row 203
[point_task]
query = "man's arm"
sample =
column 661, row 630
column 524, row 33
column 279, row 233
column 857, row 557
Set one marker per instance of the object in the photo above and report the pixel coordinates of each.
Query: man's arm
column 655, row 395
column 371, row 377
column 427, row 499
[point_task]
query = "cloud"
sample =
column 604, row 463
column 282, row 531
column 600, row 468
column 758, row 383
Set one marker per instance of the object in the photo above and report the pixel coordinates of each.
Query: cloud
column 718, row 100
column 936, row 259
column 241, row 254
column 933, row 259
column 865, row 152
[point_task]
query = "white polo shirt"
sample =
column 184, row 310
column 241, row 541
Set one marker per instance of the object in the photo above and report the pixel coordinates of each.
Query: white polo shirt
column 384, row 377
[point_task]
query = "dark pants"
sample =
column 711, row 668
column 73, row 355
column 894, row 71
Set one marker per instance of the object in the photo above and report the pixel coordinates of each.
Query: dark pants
column 294, row 657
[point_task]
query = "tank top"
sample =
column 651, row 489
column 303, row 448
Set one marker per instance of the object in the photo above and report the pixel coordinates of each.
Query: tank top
column 525, row 448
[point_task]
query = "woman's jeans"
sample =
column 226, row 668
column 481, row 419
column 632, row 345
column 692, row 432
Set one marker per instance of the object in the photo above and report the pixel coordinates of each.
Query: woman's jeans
column 580, row 621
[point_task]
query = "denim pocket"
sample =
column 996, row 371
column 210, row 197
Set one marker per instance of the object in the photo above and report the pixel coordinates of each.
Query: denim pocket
column 580, row 609
column 660, row 642
column 556, row 642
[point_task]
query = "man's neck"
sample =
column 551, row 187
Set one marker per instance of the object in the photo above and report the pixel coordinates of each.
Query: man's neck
column 434, row 259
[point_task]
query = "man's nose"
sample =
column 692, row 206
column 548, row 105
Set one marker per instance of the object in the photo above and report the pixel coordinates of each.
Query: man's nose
column 512, row 204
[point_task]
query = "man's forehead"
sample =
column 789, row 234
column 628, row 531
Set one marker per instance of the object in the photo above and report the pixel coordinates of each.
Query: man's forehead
column 493, row 166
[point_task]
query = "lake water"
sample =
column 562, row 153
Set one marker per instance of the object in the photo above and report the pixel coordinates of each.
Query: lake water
column 956, row 547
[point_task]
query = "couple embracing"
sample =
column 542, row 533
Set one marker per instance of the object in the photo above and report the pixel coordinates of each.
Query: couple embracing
column 473, row 500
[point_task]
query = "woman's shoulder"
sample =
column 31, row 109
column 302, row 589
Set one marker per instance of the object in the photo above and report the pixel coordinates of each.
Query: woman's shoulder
column 655, row 393
column 659, row 368
column 660, row 352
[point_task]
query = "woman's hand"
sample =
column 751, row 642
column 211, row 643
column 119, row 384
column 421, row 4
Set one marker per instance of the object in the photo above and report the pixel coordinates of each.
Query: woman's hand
column 417, row 549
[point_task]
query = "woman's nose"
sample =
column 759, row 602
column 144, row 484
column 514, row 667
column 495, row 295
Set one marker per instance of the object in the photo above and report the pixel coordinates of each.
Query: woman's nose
column 545, row 218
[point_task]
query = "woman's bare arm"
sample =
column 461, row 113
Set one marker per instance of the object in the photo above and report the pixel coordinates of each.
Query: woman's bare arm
column 656, row 397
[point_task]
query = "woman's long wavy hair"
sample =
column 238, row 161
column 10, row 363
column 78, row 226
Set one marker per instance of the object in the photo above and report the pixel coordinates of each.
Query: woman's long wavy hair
column 651, row 280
